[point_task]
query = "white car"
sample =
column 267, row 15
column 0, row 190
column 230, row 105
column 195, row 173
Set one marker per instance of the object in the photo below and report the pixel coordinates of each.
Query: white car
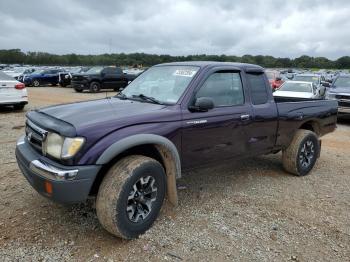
column 299, row 89
column 12, row 92
column 19, row 71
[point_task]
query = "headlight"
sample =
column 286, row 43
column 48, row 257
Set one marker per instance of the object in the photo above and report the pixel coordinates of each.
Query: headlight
column 71, row 146
column 62, row 147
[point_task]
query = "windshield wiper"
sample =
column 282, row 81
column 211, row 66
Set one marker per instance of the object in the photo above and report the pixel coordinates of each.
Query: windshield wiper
column 148, row 98
column 121, row 96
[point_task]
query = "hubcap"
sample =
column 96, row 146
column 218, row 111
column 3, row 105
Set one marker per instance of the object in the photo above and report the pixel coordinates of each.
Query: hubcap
column 307, row 153
column 141, row 198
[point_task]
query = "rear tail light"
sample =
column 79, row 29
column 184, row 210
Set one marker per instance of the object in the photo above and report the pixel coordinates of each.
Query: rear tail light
column 20, row 86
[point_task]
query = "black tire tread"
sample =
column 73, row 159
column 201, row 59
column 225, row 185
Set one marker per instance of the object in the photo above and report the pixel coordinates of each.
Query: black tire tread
column 111, row 189
column 290, row 154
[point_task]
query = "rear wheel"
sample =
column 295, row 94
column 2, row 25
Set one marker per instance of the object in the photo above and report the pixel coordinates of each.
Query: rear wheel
column 130, row 196
column 95, row 87
column 36, row 83
column 301, row 155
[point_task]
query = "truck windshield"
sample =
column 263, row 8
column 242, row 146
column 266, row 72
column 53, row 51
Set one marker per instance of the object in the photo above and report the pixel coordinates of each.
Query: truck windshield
column 163, row 83
column 95, row 70
column 342, row 82
column 296, row 87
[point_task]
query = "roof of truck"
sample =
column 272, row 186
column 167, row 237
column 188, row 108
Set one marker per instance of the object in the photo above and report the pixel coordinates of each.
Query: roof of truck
column 243, row 66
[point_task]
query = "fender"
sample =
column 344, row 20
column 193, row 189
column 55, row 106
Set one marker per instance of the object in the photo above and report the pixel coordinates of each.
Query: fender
column 165, row 147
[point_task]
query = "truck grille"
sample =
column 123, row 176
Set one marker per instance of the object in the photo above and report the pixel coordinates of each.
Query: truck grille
column 35, row 135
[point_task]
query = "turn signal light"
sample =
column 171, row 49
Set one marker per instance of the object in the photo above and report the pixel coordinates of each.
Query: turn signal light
column 48, row 187
column 20, row 86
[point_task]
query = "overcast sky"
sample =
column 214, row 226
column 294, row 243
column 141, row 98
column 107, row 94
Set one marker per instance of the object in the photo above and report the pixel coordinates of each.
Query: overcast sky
column 269, row 27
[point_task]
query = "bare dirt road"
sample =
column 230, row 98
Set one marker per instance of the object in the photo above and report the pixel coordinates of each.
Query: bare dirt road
column 250, row 211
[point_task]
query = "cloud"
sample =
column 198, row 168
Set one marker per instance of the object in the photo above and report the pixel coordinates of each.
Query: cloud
column 270, row 27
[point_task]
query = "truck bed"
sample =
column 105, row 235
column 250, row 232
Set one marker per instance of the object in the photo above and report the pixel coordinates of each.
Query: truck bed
column 317, row 114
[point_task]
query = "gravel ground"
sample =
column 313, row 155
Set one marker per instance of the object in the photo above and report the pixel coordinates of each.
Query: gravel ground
column 250, row 211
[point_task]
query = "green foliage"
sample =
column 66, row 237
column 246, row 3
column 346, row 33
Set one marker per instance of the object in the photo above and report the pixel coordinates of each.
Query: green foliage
column 16, row 56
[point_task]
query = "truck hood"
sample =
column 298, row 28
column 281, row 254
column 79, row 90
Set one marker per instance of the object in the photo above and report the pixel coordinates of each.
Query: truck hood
column 109, row 114
column 293, row 94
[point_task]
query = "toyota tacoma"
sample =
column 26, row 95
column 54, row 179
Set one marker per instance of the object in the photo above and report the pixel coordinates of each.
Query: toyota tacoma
column 128, row 150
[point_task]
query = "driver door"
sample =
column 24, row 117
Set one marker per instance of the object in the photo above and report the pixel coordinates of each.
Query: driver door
column 217, row 134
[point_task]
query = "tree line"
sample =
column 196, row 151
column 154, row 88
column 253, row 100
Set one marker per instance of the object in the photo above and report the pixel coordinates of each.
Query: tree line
column 16, row 56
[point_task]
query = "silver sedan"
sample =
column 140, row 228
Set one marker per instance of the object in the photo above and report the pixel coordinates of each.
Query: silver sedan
column 299, row 89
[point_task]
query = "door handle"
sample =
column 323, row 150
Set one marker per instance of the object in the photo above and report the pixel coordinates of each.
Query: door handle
column 245, row 117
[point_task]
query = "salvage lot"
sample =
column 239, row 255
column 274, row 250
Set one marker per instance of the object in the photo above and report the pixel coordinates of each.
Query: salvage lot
column 251, row 210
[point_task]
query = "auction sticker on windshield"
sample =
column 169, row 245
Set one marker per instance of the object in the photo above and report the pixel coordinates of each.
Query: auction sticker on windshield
column 185, row 72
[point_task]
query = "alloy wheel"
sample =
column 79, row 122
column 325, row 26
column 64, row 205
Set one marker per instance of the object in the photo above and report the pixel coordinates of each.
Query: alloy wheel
column 141, row 198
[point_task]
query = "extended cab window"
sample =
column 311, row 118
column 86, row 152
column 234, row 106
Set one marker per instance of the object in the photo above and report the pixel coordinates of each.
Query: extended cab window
column 225, row 88
column 258, row 89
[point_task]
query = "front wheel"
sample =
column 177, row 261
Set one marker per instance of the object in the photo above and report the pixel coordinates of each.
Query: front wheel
column 301, row 155
column 95, row 87
column 131, row 195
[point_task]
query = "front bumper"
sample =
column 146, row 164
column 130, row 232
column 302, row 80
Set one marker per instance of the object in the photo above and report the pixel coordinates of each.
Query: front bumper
column 63, row 184
column 80, row 84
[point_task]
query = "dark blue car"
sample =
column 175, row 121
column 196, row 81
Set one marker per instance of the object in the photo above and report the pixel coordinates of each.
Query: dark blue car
column 43, row 77
column 340, row 91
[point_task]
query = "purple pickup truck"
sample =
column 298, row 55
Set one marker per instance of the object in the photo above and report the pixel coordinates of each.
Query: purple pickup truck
column 128, row 150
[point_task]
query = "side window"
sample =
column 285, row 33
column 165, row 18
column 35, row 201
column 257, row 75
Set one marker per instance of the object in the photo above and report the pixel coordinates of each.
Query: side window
column 258, row 90
column 225, row 88
column 108, row 70
column 112, row 71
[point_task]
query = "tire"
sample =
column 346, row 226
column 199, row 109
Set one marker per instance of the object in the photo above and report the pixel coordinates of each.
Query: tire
column 95, row 87
column 18, row 107
column 301, row 155
column 36, row 83
column 78, row 90
column 120, row 211
column 63, row 85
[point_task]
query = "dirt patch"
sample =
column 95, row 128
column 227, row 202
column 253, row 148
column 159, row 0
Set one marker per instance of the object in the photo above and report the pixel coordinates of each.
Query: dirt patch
column 251, row 210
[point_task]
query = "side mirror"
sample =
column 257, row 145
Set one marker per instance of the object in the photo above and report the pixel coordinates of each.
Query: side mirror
column 202, row 104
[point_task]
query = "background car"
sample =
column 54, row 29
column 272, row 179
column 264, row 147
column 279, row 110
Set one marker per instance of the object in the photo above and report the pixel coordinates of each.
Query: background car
column 12, row 92
column 43, row 77
column 275, row 78
column 340, row 90
column 299, row 89
column 18, row 71
column 65, row 78
column 318, row 80
column 99, row 77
